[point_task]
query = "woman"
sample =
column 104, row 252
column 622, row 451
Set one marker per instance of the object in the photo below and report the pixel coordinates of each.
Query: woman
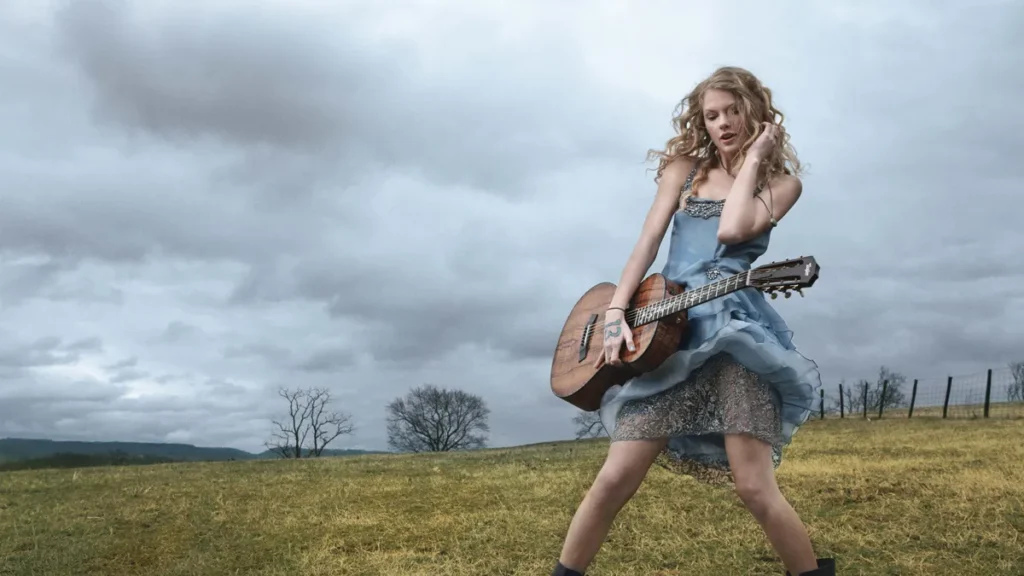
column 722, row 407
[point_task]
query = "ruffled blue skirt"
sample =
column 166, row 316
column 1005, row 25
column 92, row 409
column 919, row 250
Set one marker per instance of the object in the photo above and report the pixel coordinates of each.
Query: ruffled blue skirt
column 737, row 372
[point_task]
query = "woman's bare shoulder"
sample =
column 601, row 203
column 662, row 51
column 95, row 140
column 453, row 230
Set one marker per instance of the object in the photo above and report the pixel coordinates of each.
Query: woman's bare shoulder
column 679, row 168
column 788, row 184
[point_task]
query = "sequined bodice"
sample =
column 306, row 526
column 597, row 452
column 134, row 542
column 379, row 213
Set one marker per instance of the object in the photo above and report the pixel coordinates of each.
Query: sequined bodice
column 695, row 254
column 703, row 207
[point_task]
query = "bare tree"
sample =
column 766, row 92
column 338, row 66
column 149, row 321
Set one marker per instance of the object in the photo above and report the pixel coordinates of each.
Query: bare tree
column 589, row 425
column 886, row 391
column 431, row 419
column 309, row 426
column 1015, row 390
column 890, row 384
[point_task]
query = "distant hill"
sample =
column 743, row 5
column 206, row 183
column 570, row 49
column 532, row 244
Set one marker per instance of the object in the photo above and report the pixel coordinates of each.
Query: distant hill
column 17, row 449
column 27, row 448
column 70, row 460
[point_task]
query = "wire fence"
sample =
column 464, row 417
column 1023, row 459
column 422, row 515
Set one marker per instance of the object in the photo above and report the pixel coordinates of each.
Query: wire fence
column 995, row 393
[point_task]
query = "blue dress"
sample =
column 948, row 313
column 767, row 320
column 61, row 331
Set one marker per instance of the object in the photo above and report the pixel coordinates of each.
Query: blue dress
column 737, row 372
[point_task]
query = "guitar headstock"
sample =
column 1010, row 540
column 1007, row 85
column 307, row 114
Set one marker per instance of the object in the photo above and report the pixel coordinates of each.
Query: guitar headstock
column 785, row 276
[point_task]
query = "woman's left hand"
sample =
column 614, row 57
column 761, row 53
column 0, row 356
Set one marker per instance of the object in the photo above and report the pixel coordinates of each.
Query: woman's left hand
column 763, row 147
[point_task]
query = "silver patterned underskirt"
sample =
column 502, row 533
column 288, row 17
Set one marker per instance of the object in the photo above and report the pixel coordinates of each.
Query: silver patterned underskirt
column 720, row 397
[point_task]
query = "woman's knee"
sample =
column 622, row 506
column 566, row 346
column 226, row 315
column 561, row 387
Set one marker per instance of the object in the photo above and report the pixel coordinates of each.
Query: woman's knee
column 756, row 492
column 753, row 473
column 625, row 469
column 616, row 482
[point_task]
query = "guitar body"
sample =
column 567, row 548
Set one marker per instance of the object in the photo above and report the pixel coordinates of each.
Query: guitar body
column 573, row 376
column 660, row 307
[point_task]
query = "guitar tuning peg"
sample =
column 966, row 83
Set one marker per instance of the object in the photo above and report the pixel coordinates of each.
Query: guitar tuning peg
column 774, row 294
column 788, row 293
column 800, row 291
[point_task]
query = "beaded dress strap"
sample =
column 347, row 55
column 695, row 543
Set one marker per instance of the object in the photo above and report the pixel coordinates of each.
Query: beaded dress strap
column 689, row 179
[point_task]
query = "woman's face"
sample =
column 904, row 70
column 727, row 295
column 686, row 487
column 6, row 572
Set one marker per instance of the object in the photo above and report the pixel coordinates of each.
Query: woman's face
column 723, row 121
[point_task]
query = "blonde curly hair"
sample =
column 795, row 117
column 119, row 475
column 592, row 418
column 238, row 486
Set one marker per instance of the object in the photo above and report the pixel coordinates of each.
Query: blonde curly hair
column 692, row 138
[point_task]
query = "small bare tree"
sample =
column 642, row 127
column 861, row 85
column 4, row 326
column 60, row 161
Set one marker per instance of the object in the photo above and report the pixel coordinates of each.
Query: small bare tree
column 1015, row 390
column 309, row 426
column 887, row 392
column 589, row 425
column 431, row 419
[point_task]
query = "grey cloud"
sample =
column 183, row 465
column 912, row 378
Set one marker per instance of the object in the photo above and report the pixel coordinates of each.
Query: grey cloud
column 126, row 214
column 226, row 387
column 25, row 279
column 121, row 376
column 54, row 279
column 115, row 419
column 284, row 80
column 178, row 331
column 31, row 388
column 263, row 236
column 171, row 378
column 412, row 321
column 211, row 411
column 43, row 352
column 124, row 364
column 327, row 360
column 273, row 354
column 268, row 85
column 90, row 344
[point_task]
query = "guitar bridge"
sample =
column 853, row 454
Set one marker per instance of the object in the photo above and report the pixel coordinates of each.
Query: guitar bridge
column 587, row 333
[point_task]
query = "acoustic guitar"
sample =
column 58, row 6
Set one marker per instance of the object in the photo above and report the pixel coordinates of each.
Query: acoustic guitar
column 657, row 318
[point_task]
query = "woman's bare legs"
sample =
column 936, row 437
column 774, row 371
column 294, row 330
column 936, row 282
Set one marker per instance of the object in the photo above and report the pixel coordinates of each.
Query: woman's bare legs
column 623, row 471
column 751, row 462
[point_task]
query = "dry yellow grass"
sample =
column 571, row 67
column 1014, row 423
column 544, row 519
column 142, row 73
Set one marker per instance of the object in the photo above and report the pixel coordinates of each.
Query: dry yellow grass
column 920, row 496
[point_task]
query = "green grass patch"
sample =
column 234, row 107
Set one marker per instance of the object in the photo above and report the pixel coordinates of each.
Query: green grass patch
column 928, row 496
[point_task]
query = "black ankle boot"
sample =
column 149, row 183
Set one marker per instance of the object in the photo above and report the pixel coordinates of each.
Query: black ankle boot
column 826, row 567
column 561, row 570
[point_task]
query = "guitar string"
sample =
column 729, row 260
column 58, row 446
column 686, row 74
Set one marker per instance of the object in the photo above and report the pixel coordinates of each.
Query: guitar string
column 697, row 294
column 633, row 314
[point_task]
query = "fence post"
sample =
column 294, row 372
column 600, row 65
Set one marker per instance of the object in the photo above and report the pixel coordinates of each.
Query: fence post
column 865, row 402
column 822, row 392
column 913, row 396
column 881, row 401
column 988, row 391
column 945, row 405
column 841, row 407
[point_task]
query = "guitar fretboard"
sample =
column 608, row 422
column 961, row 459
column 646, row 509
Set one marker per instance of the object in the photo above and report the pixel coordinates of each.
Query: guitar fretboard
column 689, row 299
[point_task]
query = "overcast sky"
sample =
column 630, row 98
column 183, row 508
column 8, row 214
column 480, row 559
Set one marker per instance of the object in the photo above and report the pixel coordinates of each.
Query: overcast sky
column 203, row 201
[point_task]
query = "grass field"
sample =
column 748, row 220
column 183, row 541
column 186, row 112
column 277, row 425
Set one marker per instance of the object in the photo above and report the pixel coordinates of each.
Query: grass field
column 919, row 496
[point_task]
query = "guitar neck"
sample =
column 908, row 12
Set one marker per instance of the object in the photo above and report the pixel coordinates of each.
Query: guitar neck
column 689, row 299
